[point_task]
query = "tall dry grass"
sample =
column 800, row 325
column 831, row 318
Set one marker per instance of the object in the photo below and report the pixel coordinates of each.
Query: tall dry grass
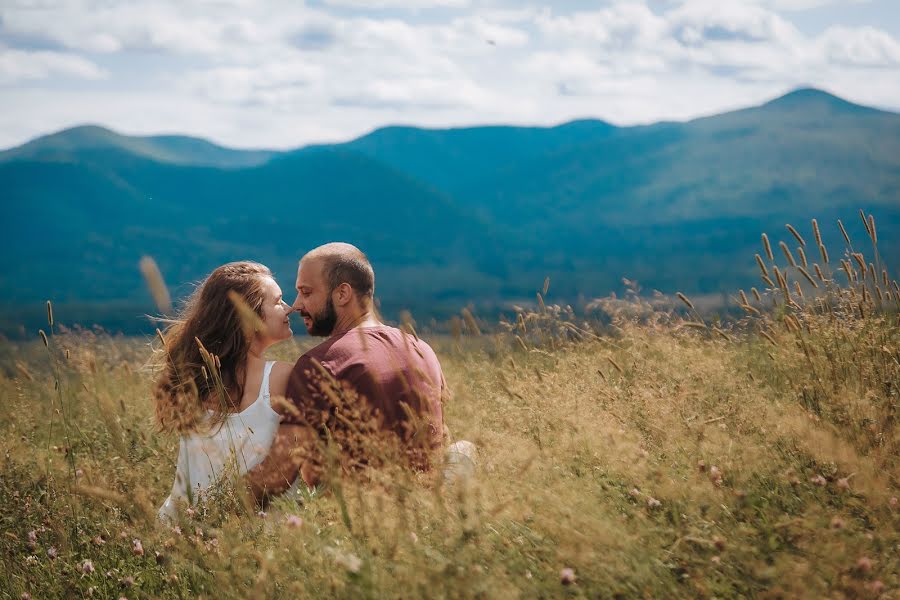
column 657, row 452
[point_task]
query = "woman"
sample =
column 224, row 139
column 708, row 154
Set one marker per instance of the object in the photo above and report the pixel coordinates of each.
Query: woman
column 216, row 386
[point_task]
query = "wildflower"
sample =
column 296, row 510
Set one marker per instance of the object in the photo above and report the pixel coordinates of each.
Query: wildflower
column 87, row 567
column 819, row 481
column 51, row 552
column 528, row 575
column 413, row 537
column 837, row 523
column 567, row 576
column 876, row 587
column 90, row 591
column 190, row 512
column 136, row 547
column 32, row 537
column 893, row 502
column 864, row 564
column 716, row 560
column 31, row 560
column 127, row 581
column 715, row 475
column 79, row 473
column 701, row 466
column 653, row 502
column 160, row 558
column 123, row 535
column 25, row 596
column 176, row 530
column 635, row 493
column 293, row 521
column 262, row 514
column 718, row 542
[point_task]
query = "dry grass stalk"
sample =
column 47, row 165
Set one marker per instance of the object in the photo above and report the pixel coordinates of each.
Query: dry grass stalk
column 50, row 314
column 808, row 277
column 470, row 322
column 865, row 221
column 824, row 252
column 744, row 298
column 798, row 289
column 546, row 287
column 157, row 285
column 722, row 334
column 540, row 300
column 844, row 233
column 787, row 254
column 684, row 299
column 768, row 337
column 767, row 246
column 614, row 364
column 819, row 272
column 802, row 254
column 756, row 294
column 872, row 233
column 884, row 278
column 44, row 338
column 750, row 309
column 769, row 281
column 815, row 226
column 796, row 234
column 762, row 266
column 250, row 321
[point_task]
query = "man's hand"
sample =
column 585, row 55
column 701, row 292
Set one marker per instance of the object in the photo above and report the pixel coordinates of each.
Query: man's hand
column 282, row 465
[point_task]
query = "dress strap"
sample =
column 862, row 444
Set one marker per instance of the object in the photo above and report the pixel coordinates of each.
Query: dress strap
column 264, row 388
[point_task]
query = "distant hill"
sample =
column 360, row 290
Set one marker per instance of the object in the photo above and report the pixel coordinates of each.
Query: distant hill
column 86, row 141
column 448, row 216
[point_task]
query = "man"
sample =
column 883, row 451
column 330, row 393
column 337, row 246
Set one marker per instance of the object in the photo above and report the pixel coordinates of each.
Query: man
column 368, row 381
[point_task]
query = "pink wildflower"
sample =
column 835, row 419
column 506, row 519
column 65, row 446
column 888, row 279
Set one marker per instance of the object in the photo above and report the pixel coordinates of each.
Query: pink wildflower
column 567, row 576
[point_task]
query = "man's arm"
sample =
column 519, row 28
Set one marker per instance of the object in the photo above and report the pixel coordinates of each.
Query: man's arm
column 277, row 472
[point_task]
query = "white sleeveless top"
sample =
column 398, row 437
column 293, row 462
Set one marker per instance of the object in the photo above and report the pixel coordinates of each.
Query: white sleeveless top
column 241, row 443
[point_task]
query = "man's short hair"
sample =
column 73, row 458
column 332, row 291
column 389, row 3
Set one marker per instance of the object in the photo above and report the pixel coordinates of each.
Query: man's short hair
column 345, row 263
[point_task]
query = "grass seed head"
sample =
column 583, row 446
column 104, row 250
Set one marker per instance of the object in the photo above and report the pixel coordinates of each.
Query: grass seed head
column 767, row 246
column 796, row 234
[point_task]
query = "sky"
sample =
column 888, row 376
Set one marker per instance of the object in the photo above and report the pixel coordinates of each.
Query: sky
column 285, row 73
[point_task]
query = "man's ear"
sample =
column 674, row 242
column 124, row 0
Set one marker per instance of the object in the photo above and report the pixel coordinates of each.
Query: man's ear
column 342, row 294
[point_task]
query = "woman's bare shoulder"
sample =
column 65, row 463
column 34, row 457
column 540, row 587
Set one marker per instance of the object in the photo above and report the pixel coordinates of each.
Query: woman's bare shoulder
column 278, row 378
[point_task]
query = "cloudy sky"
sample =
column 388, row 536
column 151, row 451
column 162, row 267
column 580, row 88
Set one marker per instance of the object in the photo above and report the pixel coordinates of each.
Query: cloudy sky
column 282, row 73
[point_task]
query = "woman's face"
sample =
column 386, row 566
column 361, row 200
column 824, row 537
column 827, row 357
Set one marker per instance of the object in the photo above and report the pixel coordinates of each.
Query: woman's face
column 274, row 313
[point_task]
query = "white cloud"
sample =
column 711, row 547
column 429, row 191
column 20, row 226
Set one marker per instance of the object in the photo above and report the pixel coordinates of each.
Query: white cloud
column 284, row 73
column 408, row 4
column 21, row 65
column 863, row 47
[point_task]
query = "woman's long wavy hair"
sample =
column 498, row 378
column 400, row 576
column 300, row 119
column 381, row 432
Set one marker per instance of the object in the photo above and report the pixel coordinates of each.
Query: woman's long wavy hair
column 205, row 349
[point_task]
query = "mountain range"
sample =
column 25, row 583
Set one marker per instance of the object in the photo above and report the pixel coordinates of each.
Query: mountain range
column 448, row 216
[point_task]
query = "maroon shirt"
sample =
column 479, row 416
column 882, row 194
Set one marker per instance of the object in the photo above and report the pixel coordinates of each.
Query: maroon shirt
column 394, row 377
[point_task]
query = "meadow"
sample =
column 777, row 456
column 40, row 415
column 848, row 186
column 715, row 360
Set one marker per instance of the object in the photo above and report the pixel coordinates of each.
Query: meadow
column 656, row 452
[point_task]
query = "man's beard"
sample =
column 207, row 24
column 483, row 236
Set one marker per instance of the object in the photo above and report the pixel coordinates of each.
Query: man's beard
column 323, row 323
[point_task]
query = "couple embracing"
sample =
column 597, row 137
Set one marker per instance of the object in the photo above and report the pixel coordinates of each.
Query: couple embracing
column 276, row 424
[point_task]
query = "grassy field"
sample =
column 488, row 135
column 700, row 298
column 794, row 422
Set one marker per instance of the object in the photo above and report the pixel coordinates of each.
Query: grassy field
column 659, row 456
